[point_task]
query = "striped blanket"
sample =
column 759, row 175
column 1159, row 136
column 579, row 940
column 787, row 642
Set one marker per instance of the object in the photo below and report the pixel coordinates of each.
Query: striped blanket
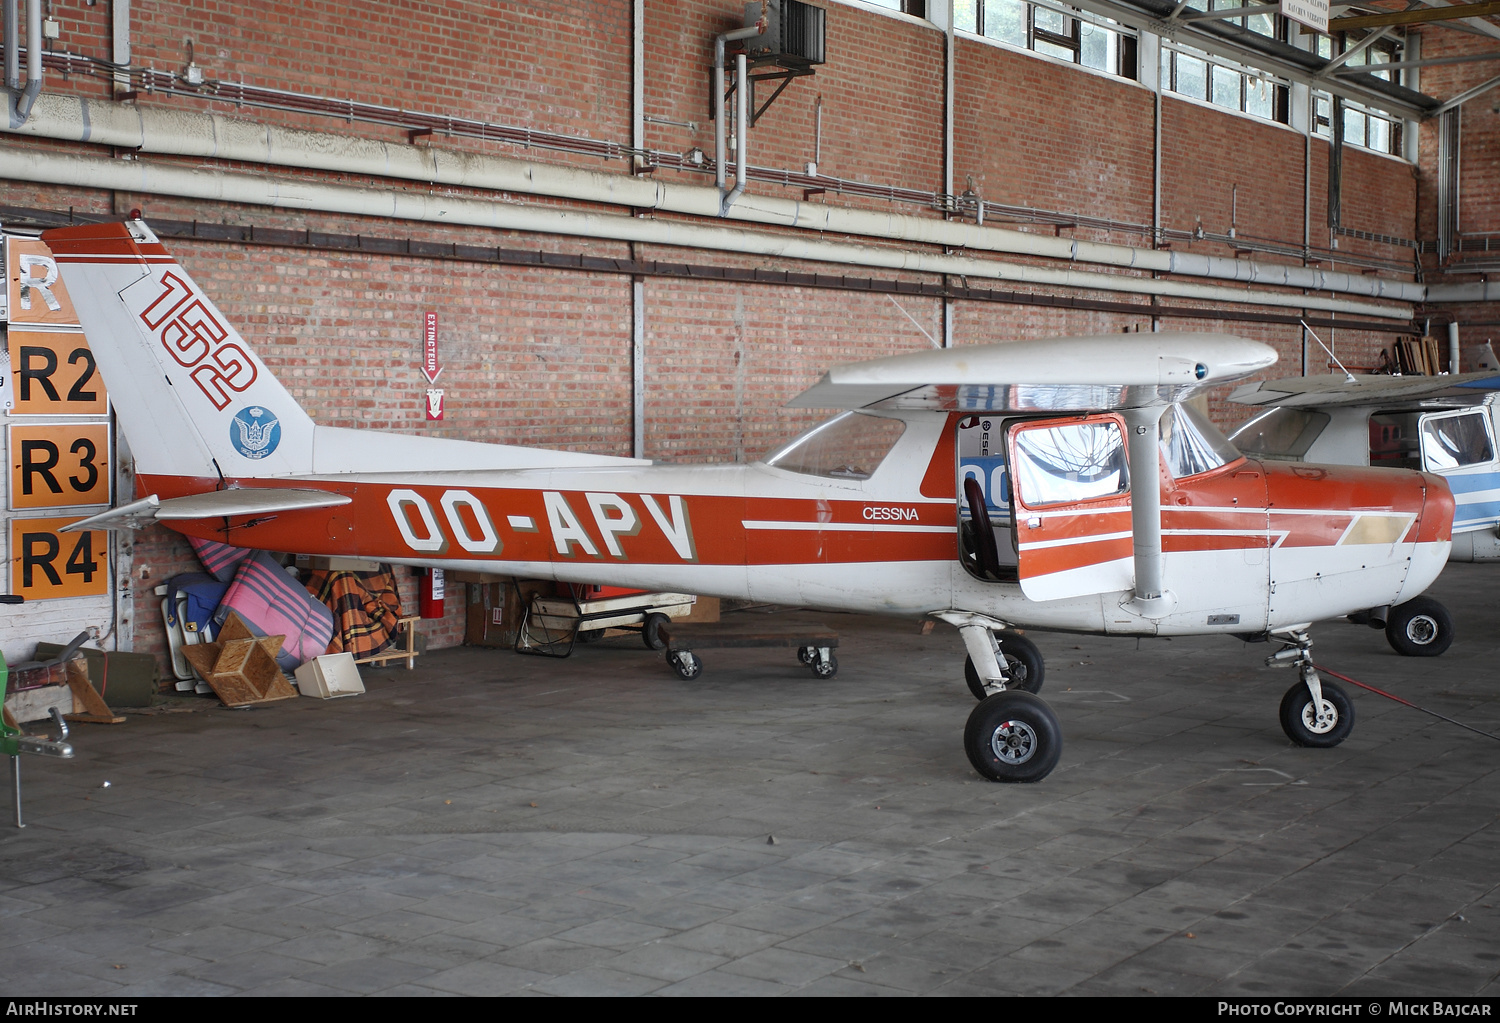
column 273, row 603
column 366, row 609
column 221, row 560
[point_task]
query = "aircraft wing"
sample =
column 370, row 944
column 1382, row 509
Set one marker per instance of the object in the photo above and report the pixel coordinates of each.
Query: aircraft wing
column 1334, row 389
column 213, row 505
column 1110, row 371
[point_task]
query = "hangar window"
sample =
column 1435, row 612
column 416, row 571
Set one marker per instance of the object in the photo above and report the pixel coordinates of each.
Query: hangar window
column 1193, row 73
column 1222, row 82
column 1055, row 30
column 850, row 446
column 1364, row 126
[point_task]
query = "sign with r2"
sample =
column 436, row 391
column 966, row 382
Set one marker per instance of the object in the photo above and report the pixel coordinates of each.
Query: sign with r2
column 53, row 374
column 46, row 564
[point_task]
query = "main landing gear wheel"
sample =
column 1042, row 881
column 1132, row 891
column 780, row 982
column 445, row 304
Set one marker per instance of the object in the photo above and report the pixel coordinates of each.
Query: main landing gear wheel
column 1023, row 665
column 651, row 630
column 1013, row 736
column 1419, row 628
column 1307, row 728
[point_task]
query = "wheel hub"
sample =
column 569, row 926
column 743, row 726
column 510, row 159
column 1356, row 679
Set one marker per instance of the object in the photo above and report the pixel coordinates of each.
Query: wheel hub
column 1422, row 629
column 1323, row 723
column 1014, row 742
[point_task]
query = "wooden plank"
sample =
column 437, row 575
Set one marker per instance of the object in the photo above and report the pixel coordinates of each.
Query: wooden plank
column 96, row 711
column 1419, row 16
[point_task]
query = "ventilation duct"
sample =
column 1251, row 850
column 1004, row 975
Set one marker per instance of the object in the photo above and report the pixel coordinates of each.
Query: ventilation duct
column 793, row 36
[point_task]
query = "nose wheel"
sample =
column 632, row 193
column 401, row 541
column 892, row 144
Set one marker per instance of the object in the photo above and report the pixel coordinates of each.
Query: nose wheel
column 1313, row 712
column 1321, row 728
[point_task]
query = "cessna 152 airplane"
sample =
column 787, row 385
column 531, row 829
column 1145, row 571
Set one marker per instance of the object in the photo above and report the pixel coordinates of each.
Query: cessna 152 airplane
column 886, row 508
column 1444, row 424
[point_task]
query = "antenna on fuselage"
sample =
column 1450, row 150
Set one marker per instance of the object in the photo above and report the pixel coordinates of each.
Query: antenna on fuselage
column 1350, row 377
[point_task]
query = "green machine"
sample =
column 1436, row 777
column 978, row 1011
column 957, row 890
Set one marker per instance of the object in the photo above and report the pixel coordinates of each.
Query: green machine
column 14, row 742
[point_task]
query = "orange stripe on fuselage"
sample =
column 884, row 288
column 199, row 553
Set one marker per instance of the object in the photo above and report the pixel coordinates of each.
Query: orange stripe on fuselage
column 713, row 524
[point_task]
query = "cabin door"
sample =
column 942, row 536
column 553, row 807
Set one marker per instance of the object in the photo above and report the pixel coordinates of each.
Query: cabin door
column 1071, row 505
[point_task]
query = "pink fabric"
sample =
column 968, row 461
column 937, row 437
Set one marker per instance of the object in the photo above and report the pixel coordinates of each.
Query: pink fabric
column 273, row 603
column 221, row 560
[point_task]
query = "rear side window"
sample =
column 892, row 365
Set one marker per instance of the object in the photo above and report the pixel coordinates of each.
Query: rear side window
column 850, row 446
column 1393, row 440
column 1452, row 442
column 1282, row 434
column 1072, row 462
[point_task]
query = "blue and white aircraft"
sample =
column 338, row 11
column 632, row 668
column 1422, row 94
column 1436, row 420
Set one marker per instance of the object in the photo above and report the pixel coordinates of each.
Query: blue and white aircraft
column 1445, row 425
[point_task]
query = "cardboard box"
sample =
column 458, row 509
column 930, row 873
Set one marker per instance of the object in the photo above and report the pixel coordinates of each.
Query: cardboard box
column 705, row 609
column 324, row 564
column 479, row 578
column 330, row 675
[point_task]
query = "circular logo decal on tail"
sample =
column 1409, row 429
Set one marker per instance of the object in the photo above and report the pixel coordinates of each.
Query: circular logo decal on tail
column 255, row 432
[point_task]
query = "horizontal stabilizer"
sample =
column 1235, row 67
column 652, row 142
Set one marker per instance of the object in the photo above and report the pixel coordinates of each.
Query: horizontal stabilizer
column 1110, row 371
column 212, row 505
column 1334, row 389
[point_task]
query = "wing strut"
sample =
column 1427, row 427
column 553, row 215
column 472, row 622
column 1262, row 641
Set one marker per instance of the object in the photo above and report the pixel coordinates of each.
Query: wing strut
column 1152, row 599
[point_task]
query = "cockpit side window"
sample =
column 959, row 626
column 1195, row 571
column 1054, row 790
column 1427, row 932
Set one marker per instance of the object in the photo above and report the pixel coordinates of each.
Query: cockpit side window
column 1281, row 434
column 1070, row 462
column 1456, row 441
column 850, row 446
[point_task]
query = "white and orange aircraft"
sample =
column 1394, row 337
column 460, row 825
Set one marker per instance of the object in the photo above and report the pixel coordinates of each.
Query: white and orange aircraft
column 988, row 486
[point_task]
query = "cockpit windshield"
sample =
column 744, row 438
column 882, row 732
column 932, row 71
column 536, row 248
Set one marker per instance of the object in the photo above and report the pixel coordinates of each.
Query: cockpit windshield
column 1192, row 443
column 850, row 446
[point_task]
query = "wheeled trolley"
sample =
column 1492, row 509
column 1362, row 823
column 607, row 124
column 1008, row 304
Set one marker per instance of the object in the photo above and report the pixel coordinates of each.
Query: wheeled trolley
column 814, row 643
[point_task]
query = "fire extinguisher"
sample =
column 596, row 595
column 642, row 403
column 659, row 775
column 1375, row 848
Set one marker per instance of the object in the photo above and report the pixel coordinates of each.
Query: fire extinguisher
column 430, row 592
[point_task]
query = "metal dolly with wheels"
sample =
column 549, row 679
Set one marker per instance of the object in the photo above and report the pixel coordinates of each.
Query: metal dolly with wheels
column 552, row 624
column 814, row 644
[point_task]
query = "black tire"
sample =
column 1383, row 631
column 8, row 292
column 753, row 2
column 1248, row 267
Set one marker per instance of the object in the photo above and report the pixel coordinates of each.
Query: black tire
column 687, row 665
column 807, row 654
column 1297, row 720
column 651, row 631
column 1023, row 664
column 1419, row 628
column 1013, row 736
column 825, row 669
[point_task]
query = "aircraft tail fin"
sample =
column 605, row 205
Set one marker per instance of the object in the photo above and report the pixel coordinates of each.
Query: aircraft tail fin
column 189, row 392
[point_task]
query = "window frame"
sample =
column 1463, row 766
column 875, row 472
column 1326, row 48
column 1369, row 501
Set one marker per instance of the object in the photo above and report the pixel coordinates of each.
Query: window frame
column 1126, row 59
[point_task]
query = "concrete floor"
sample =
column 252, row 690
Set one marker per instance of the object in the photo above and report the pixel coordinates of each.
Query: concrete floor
column 493, row 823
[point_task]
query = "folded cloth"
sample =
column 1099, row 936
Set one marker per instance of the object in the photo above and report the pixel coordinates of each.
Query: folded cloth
column 221, row 560
column 273, row 603
column 366, row 608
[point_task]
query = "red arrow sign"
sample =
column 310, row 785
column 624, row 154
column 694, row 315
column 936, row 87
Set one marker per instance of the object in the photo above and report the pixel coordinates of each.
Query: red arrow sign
column 431, row 368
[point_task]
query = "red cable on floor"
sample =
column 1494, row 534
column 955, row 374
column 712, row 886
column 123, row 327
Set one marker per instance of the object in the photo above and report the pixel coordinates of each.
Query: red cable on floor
column 1405, row 703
